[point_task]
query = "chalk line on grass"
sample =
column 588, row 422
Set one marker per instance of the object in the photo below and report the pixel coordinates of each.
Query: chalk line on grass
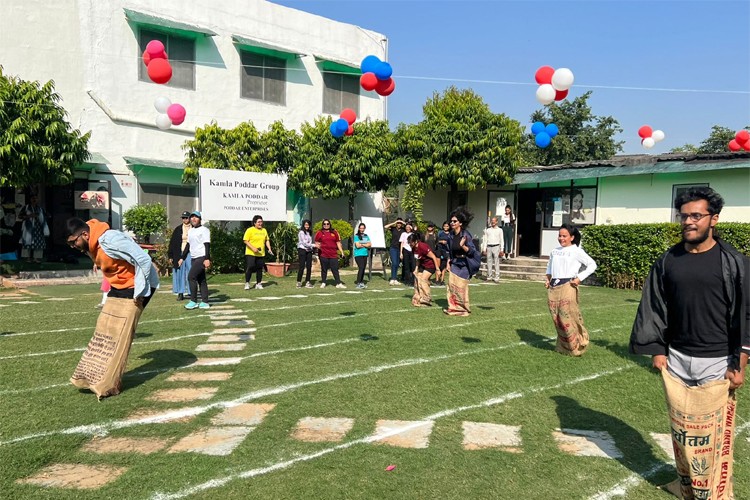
column 61, row 330
column 621, row 488
column 221, row 481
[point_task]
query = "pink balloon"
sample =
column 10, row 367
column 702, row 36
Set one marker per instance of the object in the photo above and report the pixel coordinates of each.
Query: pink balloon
column 176, row 113
column 733, row 146
column 154, row 48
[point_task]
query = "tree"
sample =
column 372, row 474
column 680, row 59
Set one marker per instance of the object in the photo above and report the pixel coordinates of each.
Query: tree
column 332, row 167
column 460, row 144
column 242, row 148
column 583, row 135
column 716, row 142
column 37, row 144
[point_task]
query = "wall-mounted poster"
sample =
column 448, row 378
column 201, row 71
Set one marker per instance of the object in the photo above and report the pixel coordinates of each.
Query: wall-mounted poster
column 583, row 206
column 87, row 200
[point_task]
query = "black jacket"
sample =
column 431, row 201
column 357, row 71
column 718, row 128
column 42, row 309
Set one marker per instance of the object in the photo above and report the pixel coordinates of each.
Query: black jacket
column 175, row 245
column 651, row 333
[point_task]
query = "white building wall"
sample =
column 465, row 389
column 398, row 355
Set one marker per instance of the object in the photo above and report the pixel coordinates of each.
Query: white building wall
column 91, row 52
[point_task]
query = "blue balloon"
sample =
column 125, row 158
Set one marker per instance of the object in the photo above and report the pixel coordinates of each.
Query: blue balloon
column 334, row 130
column 383, row 71
column 341, row 126
column 537, row 127
column 552, row 130
column 542, row 139
column 369, row 64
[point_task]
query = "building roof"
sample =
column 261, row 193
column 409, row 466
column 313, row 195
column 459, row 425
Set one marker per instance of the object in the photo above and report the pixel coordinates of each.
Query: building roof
column 633, row 165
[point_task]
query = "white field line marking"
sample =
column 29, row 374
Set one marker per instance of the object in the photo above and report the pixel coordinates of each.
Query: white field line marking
column 90, row 327
column 218, row 482
column 621, row 488
column 335, row 318
column 20, row 391
column 742, row 428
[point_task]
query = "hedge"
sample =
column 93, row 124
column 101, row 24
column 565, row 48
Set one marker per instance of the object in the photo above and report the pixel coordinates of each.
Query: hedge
column 227, row 249
column 624, row 253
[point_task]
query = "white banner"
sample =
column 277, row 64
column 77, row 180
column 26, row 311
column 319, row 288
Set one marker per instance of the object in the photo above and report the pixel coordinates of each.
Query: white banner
column 230, row 195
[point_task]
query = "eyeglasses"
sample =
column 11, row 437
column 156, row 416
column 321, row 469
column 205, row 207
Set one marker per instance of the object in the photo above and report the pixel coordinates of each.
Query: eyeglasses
column 72, row 243
column 695, row 216
column 454, row 221
column 326, row 223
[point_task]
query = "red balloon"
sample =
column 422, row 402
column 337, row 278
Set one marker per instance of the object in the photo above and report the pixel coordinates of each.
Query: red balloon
column 733, row 146
column 147, row 57
column 349, row 115
column 350, row 130
column 645, row 131
column 386, row 87
column 368, row 81
column 561, row 94
column 544, row 75
column 742, row 137
column 159, row 70
column 746, row 146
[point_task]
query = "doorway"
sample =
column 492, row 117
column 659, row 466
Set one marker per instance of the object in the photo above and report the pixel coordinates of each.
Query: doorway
column 529, row 222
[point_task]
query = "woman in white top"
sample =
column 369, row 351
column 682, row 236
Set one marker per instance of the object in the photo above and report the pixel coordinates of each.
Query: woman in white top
column 563, row 277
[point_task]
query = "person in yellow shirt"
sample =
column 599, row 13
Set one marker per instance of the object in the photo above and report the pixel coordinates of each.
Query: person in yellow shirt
column 256, row 242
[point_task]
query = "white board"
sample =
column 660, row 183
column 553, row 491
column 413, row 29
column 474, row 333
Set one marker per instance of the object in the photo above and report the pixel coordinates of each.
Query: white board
column 374, row 230
column 231, row 195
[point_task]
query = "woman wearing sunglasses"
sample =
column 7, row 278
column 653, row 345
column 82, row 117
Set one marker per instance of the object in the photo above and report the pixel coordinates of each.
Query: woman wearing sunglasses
column 463, row 262
column 328, row 243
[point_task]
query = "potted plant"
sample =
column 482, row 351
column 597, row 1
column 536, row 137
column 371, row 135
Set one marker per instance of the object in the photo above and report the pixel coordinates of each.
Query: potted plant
column 284, row 242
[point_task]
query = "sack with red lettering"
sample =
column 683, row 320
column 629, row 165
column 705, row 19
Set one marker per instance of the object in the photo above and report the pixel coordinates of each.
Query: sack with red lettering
column 103, row 363
column 702, row 422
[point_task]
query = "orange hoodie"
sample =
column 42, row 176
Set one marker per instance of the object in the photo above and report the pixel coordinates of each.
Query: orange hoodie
column 119, row 273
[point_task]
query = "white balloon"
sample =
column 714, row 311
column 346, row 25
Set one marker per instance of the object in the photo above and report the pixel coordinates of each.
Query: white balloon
column 648, row 142
column 657, row 135
column 162, row 104
column 545, row 94
column 163, row 122
column 562, row 79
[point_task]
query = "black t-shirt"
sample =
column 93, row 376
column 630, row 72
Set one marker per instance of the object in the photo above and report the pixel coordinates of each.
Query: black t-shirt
column 396, row 236
column 431, row 240
column 697, row 307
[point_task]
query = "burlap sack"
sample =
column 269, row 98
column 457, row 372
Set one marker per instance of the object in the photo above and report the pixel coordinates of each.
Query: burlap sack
column 103, row 363
column 702, row 422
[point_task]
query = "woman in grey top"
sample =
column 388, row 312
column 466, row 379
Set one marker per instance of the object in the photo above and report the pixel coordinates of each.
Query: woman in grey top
column 305, row 247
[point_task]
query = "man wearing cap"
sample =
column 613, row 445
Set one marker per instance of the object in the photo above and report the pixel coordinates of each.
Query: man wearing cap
column 199, row 248
column 177, row 244
column 396, row 228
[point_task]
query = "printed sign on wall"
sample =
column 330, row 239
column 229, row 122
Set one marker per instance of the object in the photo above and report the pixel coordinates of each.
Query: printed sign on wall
column 230, row 195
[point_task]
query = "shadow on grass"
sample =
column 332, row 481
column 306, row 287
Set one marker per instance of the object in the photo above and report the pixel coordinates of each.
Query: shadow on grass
column 635, row 301
column 536, row 340
column 6, row 333
column 637, row 454
column 347, row 313
column 470, row 340
column 217, row 297
column 485, row 308
column 140, row 335
column 161, row 361
column 441, row 303
column 366, row 337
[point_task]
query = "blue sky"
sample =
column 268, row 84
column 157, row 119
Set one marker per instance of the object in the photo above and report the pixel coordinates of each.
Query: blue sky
column 657, row 44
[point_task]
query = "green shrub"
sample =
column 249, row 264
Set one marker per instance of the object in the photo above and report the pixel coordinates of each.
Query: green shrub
column 146, row 220
column 284, row 237
column 227, row 249
column 624, row 253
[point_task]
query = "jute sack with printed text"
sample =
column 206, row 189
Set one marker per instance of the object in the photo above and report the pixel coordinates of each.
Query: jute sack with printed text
column 702, row 423
column 103, row 363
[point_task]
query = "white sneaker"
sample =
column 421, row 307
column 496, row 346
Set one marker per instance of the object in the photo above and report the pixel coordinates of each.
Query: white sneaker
column 258, row 286
column 341, row 285
column 247, row 286
column 308, row 285
column 322, row 285
column 299, row 284
column 393, row 282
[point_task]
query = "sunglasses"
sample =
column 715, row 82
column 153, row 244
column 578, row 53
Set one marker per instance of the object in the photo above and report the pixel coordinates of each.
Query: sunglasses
column 326, row 223
column 454, row 221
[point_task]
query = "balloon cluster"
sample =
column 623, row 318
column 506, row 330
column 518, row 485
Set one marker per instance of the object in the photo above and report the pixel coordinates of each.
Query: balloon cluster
column 345, row 124
column 649, row 137
column 741, row 141
column 169, row 114
column 543, row 134
column 155, row 59
column 553, row 84
column 376, row 75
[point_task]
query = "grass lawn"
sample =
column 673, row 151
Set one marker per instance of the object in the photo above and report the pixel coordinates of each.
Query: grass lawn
column 360, row 358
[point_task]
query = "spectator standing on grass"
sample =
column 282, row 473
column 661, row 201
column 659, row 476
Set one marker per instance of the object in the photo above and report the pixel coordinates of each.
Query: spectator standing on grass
column 396, row 228
column 509, row 226
column 563, row 277
column 694, row 320
column 463, row 264
column 256, row 243
column 361, row 252
column 406, row 256
column 492, row 246
column 305, row 249
column 133, row 279
column 328, row 242
column 199, row 248
column 34, row 231
column 443, row 253
column 177, row 244
column 427, row 264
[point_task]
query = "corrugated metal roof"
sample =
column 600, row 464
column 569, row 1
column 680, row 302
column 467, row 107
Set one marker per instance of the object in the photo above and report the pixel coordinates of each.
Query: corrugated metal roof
column 149, row 162
column 168, row 24
column 264, row 47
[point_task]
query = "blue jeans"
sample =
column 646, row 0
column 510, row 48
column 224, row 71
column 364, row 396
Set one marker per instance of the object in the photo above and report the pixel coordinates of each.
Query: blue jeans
column 395, row 260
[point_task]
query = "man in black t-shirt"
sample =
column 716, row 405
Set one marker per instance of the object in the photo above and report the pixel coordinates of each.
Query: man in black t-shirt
column 396, row 228
column 694, row 316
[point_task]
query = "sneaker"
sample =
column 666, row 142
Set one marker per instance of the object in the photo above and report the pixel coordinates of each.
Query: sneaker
column 341, row 285
column 180, row 297
column 100, row 305
column 247, row 286
column 191, row 305
column 204, row 305
column 322, row 285
column 393, row 282
column 359, row 285
column 299, row 284
column 258, row 286
column 308, row 285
